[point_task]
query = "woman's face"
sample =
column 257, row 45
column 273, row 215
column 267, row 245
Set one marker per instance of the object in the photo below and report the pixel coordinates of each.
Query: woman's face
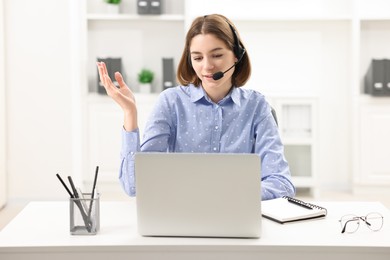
column 208, row 56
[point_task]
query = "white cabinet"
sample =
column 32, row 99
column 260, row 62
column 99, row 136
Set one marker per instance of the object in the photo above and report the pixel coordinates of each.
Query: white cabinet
column 374, row 143
column 371, row 115
column 297, row 122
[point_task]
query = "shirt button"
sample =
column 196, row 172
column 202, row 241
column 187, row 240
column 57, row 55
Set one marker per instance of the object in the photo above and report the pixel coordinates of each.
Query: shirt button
column 216, row 127
column 215, row 148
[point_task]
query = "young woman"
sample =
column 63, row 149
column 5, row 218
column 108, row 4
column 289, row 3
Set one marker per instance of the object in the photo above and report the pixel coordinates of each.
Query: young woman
column 209, row 112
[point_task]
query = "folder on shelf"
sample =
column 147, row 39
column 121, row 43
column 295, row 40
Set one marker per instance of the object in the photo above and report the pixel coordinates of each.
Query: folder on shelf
column 149, row 6
column 155, row 6
column 143, row 6
column 113, row 65
column 168, row 73
column 377, row 78
column 387, row 77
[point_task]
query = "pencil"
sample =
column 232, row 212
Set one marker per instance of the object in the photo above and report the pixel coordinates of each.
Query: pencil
column 66, row 187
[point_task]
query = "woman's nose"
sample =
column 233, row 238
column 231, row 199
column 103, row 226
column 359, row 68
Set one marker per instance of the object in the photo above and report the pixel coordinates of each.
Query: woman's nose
column 208, row 64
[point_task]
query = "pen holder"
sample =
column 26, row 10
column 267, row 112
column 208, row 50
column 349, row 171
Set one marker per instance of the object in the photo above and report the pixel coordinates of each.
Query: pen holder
column 85, row 214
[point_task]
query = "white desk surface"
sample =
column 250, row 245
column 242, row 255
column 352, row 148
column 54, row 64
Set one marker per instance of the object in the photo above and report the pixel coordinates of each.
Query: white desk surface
column 42, row 230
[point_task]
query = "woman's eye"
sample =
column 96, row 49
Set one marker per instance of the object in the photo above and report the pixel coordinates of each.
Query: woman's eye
column 217, row 55
column 197, row 58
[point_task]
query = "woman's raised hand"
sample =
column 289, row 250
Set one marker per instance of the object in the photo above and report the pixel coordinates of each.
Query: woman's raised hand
column 123, row 96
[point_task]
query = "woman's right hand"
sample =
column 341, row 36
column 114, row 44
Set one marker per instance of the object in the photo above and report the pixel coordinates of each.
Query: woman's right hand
column 122, row 96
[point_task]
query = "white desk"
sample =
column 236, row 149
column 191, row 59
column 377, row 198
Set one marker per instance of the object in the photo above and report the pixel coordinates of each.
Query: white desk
column 41, row 231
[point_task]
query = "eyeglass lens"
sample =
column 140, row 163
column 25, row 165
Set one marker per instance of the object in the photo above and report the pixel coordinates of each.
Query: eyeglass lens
column 349, row 223
column 374, row 221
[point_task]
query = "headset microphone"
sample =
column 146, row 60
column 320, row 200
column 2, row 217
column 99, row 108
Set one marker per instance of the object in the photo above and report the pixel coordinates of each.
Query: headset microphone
column 219, row 75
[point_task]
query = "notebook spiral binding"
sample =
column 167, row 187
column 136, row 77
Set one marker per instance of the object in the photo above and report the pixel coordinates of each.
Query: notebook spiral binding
column 298, row 201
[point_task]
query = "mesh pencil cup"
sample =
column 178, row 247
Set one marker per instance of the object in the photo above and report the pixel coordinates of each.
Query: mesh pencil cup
column 85, row 214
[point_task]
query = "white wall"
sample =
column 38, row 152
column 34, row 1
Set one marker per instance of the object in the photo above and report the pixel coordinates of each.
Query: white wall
column 38, row 92
column 43, row 76
column 3, row 179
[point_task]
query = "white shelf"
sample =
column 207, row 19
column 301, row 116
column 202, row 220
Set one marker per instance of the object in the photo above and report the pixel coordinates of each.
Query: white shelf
column 135, row 17
column 103, row 98
column 374, row 18
column 298, row 18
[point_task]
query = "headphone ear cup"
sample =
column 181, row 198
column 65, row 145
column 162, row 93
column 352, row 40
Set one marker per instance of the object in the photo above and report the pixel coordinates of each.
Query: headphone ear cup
column 239, row 52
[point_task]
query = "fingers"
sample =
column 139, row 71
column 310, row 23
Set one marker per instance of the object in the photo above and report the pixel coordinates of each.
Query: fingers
column 104, row 68
column 122, row 96
column 105, row 78
column 102, row 71
column 111, row 89
column 123, row 86
column 120, row 80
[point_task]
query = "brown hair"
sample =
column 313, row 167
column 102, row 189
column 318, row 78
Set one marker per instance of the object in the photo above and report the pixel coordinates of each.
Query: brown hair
column 218, row 25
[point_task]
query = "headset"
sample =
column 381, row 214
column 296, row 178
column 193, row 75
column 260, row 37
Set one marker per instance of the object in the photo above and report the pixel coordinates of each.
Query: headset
column 238, row 50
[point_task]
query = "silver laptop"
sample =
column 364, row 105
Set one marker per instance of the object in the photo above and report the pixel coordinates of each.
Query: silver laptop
column 198, row 195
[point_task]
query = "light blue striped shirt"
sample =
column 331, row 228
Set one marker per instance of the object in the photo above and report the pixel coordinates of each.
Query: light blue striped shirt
column 186, row 120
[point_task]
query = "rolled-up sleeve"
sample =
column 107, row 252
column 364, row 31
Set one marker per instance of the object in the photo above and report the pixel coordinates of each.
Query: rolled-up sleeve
column 130, row 145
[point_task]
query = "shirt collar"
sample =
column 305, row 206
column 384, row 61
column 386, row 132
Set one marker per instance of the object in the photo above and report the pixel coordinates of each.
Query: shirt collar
column 197, row 93
column 235, row 95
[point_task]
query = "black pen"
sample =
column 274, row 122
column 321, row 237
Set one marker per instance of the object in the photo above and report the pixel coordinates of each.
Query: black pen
column 78, row 203
column 94, row 181
column 75, row 194
column 66, row 187
column 299, row 204
column 93, row 191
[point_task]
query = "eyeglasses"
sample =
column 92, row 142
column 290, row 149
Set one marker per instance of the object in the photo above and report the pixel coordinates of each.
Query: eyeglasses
column 350, row 223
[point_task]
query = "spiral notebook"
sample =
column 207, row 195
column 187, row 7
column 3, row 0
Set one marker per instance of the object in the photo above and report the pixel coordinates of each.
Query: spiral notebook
column 287, row 209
